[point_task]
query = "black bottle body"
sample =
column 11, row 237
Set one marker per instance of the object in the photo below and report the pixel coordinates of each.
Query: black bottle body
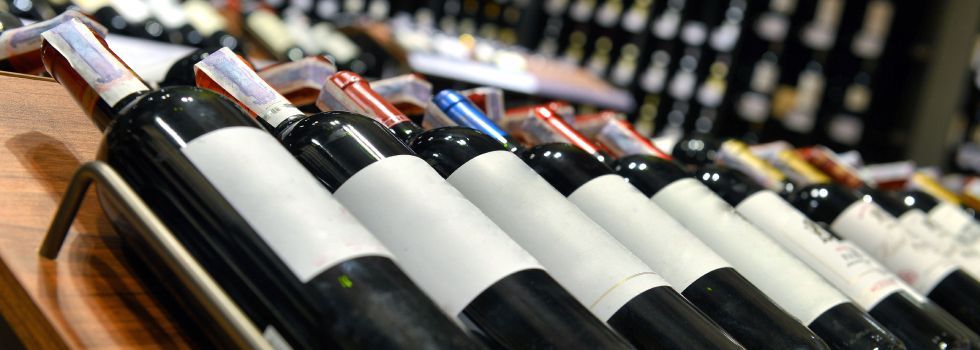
column 846, row 266
column 144, row 144
column 722, row 293
column 656, row 318
column 957, row 292
column 524, row 309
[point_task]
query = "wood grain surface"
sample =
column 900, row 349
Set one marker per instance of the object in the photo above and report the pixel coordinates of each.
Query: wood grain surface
column 88, row 297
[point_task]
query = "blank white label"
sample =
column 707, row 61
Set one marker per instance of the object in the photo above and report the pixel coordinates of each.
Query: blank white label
column 918, row 223
column 882, row 236
column 441, row 240
column 783, row 277
column 647, row 230
column 842, row 263
column 591, row 264
column 285, row 205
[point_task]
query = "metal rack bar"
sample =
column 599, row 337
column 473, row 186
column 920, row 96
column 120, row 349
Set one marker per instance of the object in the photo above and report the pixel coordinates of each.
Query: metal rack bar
column 207, row 292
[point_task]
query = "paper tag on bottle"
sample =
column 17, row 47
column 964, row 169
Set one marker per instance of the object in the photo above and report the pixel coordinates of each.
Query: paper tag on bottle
column 290, row 77
column 406, row 89
column 24, row 39
column 237, row 79
column 110, row 78
column 882, row 236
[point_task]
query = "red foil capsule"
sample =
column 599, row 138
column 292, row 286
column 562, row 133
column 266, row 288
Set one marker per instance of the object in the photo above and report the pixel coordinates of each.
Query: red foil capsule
column 359, row 91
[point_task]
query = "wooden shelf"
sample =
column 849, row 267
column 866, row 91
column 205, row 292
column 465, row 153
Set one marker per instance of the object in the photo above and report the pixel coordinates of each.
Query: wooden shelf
column 88, row 297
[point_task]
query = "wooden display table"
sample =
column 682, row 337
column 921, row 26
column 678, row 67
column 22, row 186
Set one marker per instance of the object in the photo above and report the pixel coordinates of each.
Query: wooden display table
column 88, row 297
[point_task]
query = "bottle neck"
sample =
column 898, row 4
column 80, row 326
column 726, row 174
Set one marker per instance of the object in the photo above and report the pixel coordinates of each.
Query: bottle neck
column 827, row 161
column 736, row 154
column 93, row 75
column 460, row 111
column 798, row 170
column 226, row 73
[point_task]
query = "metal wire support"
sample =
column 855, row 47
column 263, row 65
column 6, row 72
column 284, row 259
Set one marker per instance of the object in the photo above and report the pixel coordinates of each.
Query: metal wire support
column 216, row 303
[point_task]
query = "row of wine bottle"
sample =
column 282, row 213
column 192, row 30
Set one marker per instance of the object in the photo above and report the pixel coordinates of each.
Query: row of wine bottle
column 356, row 227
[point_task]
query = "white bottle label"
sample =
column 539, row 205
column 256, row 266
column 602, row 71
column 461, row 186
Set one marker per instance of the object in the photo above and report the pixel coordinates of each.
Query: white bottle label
column 601, row 273
column 924, row 230
column 647, row 230
column 241, row 82
column 954, row 219
column 168, row 12
column 103, row 72
column 842, row 263
column 271, row 30
column 275, row 339
column 203, row 17
column 441, row 240
column 285, row 205
column 784, row 278
column 882, row 236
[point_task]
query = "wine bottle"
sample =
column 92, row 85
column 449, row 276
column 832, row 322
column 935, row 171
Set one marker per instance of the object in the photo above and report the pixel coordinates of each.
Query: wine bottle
column 776, row 271
column 914, row 221
column 704, row 278
column 468, row 265
column 581, row 255
column 300, row 81
column 174, row 21
column 889, row 311
column 20, row 46
column 211, row 25
column 702, row 149
column 543, row 125
column 208, row 171
column 36, row 10
column 125, row 17
column 272, row 35
column 870, row 227
column 866, row 281
column 9, row 21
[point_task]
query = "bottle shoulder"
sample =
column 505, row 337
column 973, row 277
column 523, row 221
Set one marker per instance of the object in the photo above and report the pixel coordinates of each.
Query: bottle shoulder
column 182, row 113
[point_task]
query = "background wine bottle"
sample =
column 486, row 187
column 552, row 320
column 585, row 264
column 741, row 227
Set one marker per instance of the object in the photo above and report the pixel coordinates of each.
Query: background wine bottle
column 9, row 21
column 872, row 287
column 890, row 310
column 716, row 223
column 915, row 222
column 211, row 25
column 174, row 21
column 468, row 265
column 272, row 35
column 199, row 163
column 621, row 289
column 869, row 226
column 650, row 174
column 20, row 46
column 703, row 277
column 952, row 218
